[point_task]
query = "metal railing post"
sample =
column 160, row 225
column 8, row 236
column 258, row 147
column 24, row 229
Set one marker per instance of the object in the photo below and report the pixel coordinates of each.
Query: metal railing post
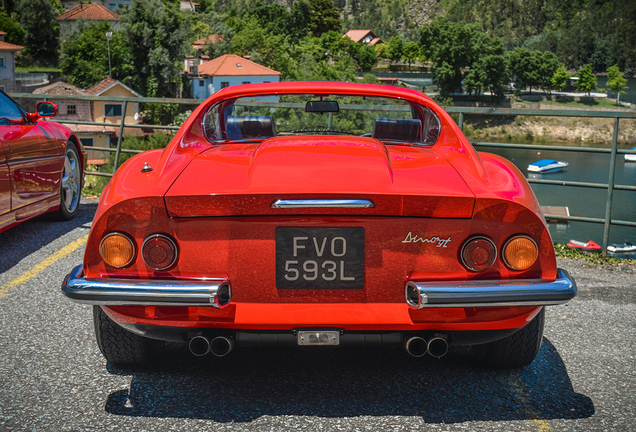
column 119, row 139
column 461, row 121
column 610, row 188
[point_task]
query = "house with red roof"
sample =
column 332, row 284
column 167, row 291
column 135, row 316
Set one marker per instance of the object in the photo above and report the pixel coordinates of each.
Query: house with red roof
column 80, row 110
column 112, row 112
column 7, row 63
column 85, row 12
column 225, row 71
column 363, row 36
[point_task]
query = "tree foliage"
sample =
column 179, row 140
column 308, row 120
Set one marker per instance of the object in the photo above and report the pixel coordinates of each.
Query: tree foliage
column 587, row 79
column 560, row 78
column 158, row 36
column 37, row 19
column 394, row 48
column 453, row 48
column 84, row 59
column 615, row 81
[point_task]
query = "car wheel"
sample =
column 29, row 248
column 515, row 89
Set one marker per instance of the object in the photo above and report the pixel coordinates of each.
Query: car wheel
column 120, row 346
column 516, row 350
column 70, row 191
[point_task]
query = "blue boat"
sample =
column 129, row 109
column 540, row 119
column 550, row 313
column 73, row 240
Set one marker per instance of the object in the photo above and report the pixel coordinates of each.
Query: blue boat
column 631, row 157
column 546, row 166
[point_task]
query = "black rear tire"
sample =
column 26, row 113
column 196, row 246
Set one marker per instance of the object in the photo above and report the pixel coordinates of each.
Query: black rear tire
column 118, row 345
column 517, row 350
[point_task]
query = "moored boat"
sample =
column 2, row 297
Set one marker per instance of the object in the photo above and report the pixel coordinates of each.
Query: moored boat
column 631, row 157
column 621, row 248
column 546, row 166
column 588, row 246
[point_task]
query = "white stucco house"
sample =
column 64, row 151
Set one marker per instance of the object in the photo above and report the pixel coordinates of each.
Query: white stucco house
column 225, row 71
column 7, row 64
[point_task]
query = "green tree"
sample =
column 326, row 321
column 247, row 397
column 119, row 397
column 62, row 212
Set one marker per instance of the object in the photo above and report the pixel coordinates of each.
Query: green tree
column 560, row 78
column 526, row 66
column 367, row 58
column 380, row 50
column 548, row 65
column 411, row 52
column 324, row 17
column 394, row 49
column 489, row 73
column 37, row 19
column 158, row 36
column 587, row 80
column 453, row 48
column 15, row 34
column 84, row 59
column 615, row 81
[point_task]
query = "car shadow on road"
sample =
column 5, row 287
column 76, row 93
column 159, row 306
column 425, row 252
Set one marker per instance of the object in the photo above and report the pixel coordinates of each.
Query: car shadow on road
column 22, row 240
column 335, row 383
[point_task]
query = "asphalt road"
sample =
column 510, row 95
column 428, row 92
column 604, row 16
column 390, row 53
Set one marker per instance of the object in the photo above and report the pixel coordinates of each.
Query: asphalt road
column 53, row 378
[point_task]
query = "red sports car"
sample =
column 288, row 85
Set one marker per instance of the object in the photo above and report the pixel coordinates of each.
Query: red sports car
column 41, row 165
column 318, row 213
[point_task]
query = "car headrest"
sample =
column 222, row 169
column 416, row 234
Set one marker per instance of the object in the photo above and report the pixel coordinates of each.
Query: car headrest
column 249, row 127
column 394, row 129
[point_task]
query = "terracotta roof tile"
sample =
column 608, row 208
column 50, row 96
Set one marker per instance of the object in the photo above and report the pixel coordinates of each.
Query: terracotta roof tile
column 200, row 44
column 95, row 12
column 60, row 88
column 233, row 65
column 101, row 86
column 9, row 46
column 357, row 35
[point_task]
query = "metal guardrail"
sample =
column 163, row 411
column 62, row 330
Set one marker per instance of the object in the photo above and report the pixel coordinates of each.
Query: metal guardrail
column 462, row 111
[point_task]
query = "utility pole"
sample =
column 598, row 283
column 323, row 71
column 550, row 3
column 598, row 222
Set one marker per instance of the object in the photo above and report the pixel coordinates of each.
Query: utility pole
column 109, row 35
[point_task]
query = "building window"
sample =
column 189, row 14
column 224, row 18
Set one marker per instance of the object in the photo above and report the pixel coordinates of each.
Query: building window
column 87, row 142
column 71, row 110
column 111, row 6
column 112, row 110
column 2, row 63
column 246, row 82
column 224, row 84
column 201, row 83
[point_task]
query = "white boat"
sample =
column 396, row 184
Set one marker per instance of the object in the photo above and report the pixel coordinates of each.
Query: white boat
column 547, row 165
column 631, row 157
column 625, row 247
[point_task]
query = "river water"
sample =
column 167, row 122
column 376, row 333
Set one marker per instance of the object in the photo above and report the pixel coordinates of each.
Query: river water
column 586, row 202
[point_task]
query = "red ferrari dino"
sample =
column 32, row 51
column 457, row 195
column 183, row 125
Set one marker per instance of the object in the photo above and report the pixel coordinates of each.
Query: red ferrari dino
column 41, row 165
column 319, row 213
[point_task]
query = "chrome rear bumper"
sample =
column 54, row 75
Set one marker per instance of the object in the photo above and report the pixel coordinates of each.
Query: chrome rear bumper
column 216, row 293
column 487, row 293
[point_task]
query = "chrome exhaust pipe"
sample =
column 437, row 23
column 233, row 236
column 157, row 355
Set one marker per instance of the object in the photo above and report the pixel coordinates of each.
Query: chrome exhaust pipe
column 437, row 347
column 416, row 346
column 221, row 346
column 199, row 346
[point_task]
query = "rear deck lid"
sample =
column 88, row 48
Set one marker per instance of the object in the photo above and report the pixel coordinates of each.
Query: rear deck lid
column 247, row 179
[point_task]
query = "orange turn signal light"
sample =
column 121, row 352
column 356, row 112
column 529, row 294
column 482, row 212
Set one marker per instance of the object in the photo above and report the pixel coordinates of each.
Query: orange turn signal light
column 117, row 250
column 520, row 253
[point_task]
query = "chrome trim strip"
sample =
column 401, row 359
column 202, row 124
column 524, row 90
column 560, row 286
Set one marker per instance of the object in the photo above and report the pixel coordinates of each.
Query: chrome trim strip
column 322, row 203
column 112, row 292
column 492, row 293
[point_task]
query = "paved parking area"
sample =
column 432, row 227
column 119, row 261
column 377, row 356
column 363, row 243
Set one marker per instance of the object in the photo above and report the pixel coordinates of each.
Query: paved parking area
column 52, row 376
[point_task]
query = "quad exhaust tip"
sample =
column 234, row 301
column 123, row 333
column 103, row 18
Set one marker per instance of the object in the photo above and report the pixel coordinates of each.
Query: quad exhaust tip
column 418, row 346
column 220, row 346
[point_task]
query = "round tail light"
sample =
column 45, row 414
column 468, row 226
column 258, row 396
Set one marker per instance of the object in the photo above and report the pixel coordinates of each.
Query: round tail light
column 117, row 250
column 478, row 254
column 159, row 252
column 520, row 253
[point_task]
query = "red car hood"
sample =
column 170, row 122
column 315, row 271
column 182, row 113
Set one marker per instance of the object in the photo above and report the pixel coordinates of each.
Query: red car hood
column 245, row 179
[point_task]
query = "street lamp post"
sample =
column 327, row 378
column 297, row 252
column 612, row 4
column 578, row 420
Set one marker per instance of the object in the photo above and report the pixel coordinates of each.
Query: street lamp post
column 109, row 36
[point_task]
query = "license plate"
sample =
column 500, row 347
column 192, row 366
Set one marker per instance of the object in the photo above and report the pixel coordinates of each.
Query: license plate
column 328, row 337
column 319, row 258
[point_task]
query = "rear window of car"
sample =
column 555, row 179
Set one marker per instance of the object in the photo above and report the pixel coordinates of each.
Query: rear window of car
column 258, row 118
